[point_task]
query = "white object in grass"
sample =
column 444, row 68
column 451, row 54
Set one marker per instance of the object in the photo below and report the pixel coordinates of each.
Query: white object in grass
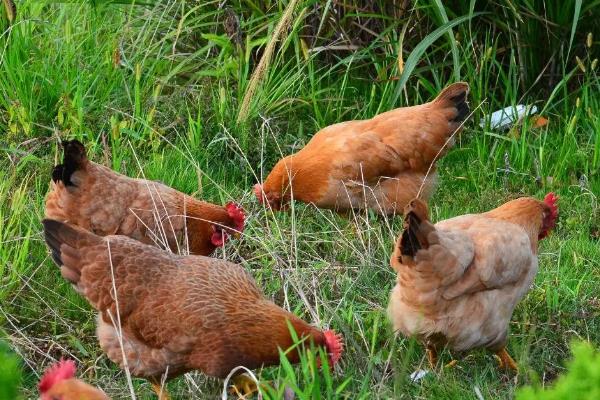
column 505, row 118
column 478, row 393
column 232, row 373
column 418, row 375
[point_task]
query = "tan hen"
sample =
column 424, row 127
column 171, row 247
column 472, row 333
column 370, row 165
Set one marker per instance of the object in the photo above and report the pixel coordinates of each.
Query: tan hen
column 458, row 281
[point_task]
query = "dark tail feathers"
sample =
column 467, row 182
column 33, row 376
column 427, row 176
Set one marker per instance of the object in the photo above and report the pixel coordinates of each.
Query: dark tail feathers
column 66, row 242
column 409, row 244
column 456, row 95
column 416, row 229
column 54, row 234
column 73, row 160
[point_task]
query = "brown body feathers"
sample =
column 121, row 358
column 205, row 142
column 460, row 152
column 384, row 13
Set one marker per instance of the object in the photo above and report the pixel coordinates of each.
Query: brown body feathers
column 380, row 163
column 105, row 202
column 177, row 313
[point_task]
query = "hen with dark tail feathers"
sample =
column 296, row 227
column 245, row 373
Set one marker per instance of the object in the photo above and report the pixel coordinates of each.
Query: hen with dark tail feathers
column 380, row 163
column 105, row 202
column 458, row 281
column 177, row 313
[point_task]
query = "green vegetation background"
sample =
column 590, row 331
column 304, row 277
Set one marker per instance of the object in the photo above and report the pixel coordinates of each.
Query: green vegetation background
column 166, row 90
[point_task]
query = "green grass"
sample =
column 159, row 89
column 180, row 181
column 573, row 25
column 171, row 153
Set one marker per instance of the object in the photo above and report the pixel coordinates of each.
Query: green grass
column 157, row 89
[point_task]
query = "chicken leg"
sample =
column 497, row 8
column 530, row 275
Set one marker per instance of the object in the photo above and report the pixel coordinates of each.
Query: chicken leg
column 505, row 361
column 432, row 357
column 160, row 391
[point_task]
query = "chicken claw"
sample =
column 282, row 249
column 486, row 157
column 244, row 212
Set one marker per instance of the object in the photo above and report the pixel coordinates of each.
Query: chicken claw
column 432, row 356
column 505, row 361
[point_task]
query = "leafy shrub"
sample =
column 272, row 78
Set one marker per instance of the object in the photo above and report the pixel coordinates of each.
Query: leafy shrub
column 580, row 382
column 10, row 373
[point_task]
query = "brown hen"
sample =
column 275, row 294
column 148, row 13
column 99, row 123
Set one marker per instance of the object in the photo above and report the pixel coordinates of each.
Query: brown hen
column 176, row 313
column 459, row 280
column 105, row 202
column 381, row 163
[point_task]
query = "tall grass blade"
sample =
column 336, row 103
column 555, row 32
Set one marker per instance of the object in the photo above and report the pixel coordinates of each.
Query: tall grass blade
column 415, row 56
column 574, row 25
column 265, row 60
column 453, row 46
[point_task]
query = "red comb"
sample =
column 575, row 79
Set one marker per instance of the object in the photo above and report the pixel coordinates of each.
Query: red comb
column 64, row 369
column 237, row 215
column 258, row 192
column 550, row 220
column 551, row 200
column 335, row 346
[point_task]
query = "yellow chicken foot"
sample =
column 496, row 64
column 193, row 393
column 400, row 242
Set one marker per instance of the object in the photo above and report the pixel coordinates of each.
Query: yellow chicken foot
column 432, row 357
column 243, row 386
column 505, row 361
column 451, row 364
column 160, row 391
